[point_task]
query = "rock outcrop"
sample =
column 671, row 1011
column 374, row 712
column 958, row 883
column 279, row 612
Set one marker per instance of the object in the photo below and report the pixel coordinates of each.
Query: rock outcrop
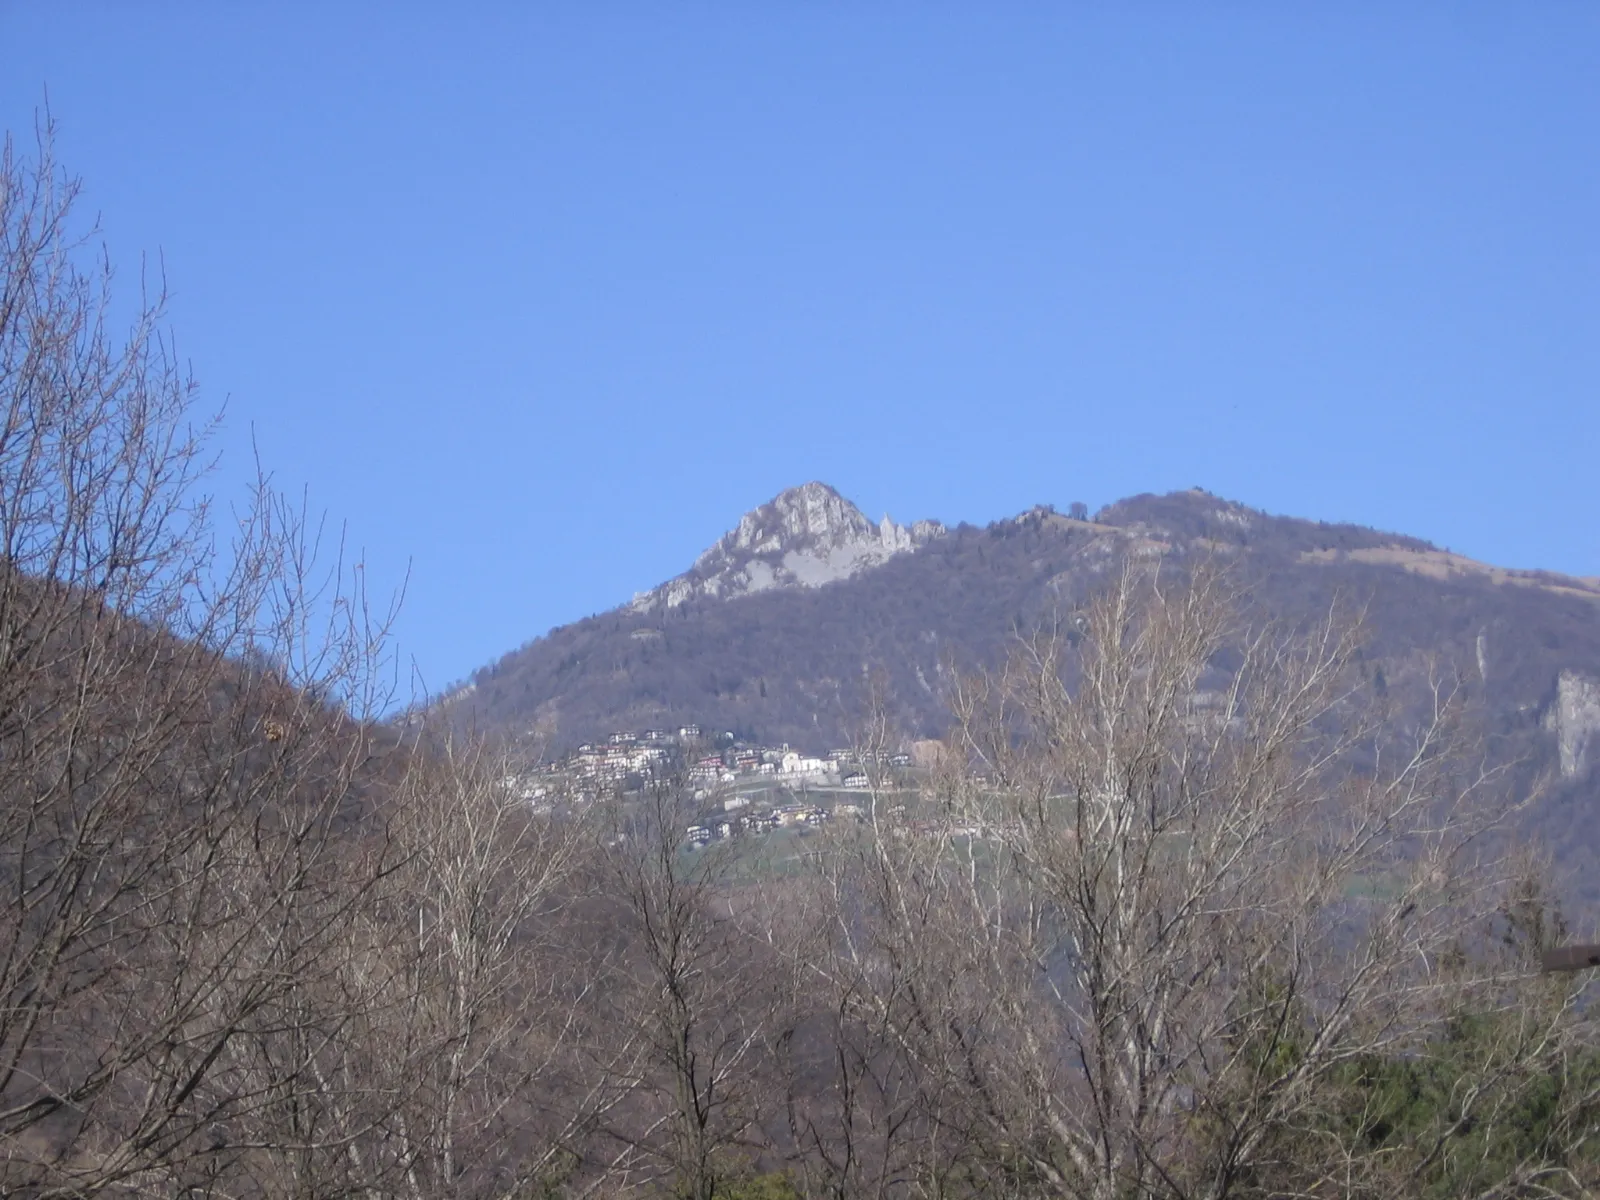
column 804, row 537
column 1575, row 720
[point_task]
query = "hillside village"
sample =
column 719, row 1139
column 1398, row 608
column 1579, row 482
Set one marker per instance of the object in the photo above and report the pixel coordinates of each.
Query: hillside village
column 746, row 788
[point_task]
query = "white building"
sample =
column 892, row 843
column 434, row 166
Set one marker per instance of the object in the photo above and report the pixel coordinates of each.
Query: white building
column 798, row 764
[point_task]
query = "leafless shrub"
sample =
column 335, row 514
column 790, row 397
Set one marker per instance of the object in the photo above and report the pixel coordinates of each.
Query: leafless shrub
column 1177, row 874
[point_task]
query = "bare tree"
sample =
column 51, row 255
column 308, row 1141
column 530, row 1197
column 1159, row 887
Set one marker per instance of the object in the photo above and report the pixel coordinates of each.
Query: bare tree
column 879, row 1102
column 182, row 738
column 695, row 981
column 1175, row 875
column 493, row 994
column 885, row 1105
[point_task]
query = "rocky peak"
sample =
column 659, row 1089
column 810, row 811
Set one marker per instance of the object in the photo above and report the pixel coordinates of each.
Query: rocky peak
column 804, row 537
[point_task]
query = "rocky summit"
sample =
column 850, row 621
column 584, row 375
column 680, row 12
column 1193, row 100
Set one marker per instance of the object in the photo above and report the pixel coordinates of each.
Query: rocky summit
column 804, row 537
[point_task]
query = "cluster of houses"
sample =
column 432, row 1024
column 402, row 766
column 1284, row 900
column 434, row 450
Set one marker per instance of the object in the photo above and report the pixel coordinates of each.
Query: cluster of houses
column 725, row 777
column 756, row 823
column 733, row 783
column 625, row 754
column 788, row 764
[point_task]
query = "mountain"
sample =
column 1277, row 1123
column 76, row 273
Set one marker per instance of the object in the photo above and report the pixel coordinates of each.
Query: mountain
column 805, row 537
column 777, row 631
column 771, row 630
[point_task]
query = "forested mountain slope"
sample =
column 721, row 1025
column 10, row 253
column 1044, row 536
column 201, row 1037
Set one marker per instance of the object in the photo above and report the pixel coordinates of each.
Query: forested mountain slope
column 792, row 663
column 789, row 664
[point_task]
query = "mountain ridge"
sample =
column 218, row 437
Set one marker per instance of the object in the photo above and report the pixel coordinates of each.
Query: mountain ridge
column 801, row 663
column 811, row 555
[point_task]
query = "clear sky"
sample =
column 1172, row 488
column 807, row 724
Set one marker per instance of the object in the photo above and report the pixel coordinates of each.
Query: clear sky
column 538, row 298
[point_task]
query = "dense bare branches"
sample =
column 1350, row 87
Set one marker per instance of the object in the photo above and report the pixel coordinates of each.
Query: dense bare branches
column 1177, row 875
column 170, row 797
column 694, row 989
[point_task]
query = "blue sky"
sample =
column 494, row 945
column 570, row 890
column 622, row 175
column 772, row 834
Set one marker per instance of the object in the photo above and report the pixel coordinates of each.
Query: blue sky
column 538, row 299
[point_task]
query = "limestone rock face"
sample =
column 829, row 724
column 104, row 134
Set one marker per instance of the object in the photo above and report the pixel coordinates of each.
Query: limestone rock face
column 1575, row 720
column 804, row 537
